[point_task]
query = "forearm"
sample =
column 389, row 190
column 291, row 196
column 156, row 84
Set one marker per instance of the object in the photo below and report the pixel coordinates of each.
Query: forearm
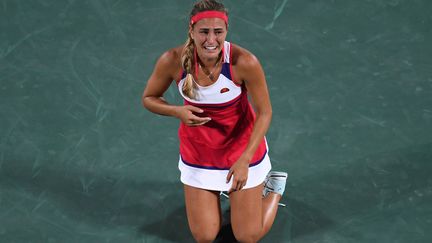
column 260, row 128
column 159, row 106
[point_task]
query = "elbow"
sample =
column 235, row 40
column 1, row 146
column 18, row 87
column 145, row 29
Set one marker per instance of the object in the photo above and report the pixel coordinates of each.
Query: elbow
column 265, row 114
column 269, row 114
column 151, row 102
column 145, row 101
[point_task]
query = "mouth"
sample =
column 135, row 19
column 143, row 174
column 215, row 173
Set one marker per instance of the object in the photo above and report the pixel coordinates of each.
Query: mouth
column 210, row 48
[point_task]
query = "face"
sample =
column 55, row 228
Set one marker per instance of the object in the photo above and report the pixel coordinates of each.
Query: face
column 209, row 35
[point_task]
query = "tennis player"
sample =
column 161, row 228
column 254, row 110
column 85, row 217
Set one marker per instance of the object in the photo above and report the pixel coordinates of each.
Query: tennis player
column 222, row 136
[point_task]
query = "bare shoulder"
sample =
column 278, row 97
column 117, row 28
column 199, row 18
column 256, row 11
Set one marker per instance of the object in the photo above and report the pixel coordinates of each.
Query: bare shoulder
column 171, row 57
column 170, row 62
column 244, row 62
column 242, row 56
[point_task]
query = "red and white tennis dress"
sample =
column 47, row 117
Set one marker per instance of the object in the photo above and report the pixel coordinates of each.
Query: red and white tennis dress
column 207, row 152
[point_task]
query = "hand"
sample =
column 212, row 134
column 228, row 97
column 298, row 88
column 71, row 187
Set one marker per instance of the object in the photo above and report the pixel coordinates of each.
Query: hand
column 239, row 172
column 187, row 116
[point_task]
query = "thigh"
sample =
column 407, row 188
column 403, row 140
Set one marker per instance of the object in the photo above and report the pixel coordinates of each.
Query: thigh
column 203, row 211
column 246, row 212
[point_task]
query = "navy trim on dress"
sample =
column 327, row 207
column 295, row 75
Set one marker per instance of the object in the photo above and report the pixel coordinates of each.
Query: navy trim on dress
column 217, row 168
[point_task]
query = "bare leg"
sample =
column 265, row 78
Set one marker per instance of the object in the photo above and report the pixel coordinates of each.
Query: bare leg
column 251, row 215
column 270, row 207
column 203, row 212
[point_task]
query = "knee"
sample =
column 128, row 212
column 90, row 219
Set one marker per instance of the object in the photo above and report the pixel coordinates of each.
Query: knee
column 247, row 237
column 204, row 236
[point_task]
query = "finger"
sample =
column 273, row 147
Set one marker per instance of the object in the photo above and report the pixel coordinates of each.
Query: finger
column 243, row 185
column 194, row 124
column 233, row 187
column 194, row 109
column 228, row 178
column 196, row 120
column 199, row 119
column 239, row 185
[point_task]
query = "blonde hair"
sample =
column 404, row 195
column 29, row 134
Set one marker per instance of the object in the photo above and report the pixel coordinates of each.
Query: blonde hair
column 187, row 56
column 187, row 59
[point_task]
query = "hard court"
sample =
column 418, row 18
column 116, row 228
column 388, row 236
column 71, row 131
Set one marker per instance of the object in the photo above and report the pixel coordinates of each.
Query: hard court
column 82, row 161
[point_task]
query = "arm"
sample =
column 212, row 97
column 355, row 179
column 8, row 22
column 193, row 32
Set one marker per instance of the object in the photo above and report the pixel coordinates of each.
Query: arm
column 165, row 71
column 250, row 71
column 257, row 87
column 158, row 83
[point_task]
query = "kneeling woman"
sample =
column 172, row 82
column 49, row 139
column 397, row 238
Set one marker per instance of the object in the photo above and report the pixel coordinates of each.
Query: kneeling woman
column 222, row 138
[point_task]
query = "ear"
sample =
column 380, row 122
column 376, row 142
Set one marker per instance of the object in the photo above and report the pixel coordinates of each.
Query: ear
column 191, row 32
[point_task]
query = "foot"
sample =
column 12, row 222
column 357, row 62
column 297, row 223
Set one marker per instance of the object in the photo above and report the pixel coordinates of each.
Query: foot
column 275, row 182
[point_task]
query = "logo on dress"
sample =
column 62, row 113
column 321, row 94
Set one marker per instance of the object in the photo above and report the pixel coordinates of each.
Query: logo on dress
column 224, row 90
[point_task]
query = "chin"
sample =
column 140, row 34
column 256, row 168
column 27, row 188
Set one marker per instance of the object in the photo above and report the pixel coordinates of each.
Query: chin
column 212, row 54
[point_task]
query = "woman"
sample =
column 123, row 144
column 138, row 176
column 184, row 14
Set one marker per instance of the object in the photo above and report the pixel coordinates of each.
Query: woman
column 222, row 143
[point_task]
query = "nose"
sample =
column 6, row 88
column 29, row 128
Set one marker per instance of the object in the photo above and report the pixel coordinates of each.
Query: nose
column 211, row 37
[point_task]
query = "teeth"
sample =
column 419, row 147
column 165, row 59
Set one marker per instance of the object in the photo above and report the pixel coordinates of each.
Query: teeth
column 210, row 47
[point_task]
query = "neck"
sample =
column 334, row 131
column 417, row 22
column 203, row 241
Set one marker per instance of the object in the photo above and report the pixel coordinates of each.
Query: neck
column 206, row 63
column 209, row 62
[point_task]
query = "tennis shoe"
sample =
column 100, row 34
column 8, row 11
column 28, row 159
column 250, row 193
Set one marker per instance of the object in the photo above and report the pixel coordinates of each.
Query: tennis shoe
column 275, row 182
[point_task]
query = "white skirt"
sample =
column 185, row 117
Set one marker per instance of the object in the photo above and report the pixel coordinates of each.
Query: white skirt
column 215, row 180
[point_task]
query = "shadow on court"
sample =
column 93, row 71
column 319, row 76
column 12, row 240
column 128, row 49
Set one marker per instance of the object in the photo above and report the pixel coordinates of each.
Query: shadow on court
column 373, row 190
column 67, row 198
column 181, row 232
